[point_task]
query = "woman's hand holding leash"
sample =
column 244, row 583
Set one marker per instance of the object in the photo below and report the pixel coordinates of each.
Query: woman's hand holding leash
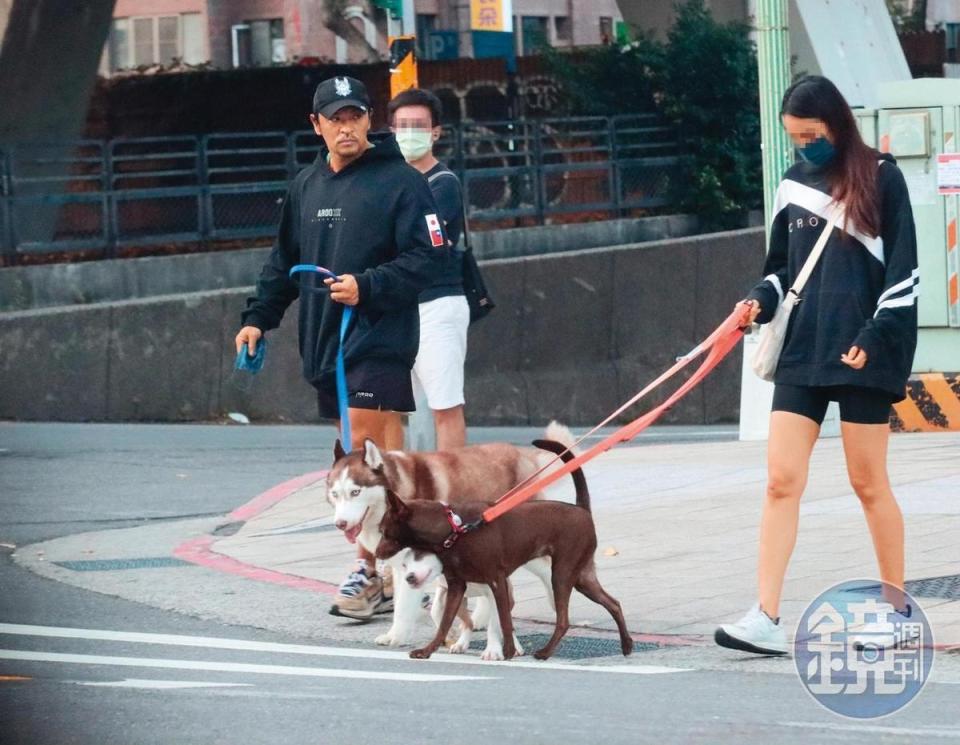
column 855, row 358
column 344, row 290
column 750, row 310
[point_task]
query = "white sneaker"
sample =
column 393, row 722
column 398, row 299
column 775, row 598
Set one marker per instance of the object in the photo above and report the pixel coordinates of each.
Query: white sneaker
column 755, row 632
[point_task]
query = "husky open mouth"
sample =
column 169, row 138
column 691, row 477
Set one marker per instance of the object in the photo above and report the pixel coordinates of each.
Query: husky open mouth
column 352, row 533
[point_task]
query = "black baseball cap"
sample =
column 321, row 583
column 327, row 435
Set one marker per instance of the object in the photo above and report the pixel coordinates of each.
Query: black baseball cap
column 337, row 93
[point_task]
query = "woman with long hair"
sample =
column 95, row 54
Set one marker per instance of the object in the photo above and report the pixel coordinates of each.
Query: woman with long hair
column 850, row 340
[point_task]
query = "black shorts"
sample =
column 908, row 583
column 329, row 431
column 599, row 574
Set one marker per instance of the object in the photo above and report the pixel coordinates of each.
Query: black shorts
column 857, row 405
column 371, row 384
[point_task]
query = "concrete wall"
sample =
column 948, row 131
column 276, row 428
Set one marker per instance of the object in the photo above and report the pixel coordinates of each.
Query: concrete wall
column 23, row 288
column 572, row 337
column 41, row 286
column 576, row 335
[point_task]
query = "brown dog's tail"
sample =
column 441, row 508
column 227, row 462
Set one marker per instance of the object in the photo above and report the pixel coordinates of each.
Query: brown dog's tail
column 579, row 480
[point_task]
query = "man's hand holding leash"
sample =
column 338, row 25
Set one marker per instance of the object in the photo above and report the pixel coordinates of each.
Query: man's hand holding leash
column 344, row 289
column 248, row 335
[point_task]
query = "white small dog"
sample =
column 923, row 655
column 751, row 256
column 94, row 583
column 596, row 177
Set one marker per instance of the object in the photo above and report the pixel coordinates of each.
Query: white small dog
column 419, row 568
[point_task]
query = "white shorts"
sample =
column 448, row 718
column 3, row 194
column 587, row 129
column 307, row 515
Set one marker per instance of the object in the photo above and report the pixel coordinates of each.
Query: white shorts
column 438, row 370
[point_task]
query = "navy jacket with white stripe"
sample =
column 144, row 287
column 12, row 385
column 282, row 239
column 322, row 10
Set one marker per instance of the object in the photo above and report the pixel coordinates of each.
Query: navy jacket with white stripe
column 862, row 293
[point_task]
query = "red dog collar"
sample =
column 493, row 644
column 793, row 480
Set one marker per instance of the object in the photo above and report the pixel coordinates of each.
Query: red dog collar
column 456, row 522
column 457, row 527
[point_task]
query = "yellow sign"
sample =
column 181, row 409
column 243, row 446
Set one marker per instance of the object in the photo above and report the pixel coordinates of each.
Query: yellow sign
column 491, row 15
column 403, row 64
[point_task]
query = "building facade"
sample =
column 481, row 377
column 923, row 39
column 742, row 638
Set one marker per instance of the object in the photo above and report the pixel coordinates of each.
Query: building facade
column 255, row 33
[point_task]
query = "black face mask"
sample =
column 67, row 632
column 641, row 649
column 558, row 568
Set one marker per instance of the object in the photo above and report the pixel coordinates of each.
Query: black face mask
column 818, row 153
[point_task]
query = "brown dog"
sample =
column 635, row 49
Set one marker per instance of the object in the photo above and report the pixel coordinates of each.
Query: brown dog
column 562, row 531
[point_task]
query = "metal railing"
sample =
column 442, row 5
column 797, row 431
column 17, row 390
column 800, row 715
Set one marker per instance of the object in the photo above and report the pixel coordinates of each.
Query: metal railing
column 104, row 195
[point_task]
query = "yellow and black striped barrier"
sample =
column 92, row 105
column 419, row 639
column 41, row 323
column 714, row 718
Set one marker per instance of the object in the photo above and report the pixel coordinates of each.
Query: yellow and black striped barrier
column 932, row 404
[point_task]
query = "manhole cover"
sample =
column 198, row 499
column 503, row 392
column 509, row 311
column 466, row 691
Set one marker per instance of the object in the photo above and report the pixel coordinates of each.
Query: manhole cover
column 110, row 565
column 935, row 587
column 947, row 587
column 575, row 647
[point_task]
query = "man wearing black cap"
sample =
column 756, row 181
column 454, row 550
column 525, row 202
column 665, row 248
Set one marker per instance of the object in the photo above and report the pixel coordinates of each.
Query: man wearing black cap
column 360, row 211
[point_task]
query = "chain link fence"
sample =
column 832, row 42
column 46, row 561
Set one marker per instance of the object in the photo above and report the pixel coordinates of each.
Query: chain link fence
column 104, row 196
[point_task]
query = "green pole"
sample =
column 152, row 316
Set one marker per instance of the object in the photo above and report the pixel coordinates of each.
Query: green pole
column 773, row 61
column 773, row 58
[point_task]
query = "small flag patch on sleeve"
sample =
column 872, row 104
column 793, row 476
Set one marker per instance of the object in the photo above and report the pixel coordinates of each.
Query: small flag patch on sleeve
column 436, row 233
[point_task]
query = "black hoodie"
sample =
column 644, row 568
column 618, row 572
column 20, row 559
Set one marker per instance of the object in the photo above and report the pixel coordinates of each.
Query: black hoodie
column 375, row 219
column 862, row 293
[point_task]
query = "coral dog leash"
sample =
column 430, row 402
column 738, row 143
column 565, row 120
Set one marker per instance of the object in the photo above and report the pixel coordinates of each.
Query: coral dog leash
column 716, row 346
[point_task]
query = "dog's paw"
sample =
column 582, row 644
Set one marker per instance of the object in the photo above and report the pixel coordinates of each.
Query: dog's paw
column 459, row 647
column 542, row 654
column 518, row 648
column 392, row 639
column 420, row 654
column 492, row 654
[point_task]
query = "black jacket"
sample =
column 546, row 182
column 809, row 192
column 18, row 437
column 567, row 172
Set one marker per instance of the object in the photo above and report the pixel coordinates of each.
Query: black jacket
column 375, row 219
column 862, row 293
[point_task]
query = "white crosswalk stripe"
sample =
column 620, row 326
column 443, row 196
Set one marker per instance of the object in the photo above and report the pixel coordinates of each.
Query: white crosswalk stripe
column 207, row 642
column 157, row 685
column 228, row 667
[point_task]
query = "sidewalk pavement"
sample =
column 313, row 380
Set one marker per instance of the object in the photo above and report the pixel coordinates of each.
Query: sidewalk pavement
column 677, row 525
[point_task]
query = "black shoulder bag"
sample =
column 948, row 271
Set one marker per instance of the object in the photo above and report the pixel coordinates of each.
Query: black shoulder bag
column 475, row 289
column 478, row 296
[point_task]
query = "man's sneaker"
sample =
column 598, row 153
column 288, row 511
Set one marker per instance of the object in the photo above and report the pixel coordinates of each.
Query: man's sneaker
column 881, row 635
column 358, row 595
column 755, row 632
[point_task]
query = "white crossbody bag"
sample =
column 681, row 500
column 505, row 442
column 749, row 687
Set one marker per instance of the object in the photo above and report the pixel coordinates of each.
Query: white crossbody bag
column 767, row 354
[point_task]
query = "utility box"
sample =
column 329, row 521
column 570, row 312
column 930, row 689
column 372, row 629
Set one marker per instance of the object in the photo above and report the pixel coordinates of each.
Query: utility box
column 867, row 124
column 918, row 122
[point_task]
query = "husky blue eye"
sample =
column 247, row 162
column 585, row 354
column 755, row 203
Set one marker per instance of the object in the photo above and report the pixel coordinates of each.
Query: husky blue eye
column 355, row 493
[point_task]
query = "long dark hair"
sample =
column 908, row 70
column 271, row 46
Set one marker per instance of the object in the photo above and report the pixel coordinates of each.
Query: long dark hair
column 852, row 174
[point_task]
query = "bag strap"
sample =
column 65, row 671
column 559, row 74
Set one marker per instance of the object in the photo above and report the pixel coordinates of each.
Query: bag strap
column 810, row 264
column 463, row 205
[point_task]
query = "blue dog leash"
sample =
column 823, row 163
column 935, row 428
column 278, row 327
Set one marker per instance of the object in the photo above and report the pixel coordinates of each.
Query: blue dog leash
column 341, row 367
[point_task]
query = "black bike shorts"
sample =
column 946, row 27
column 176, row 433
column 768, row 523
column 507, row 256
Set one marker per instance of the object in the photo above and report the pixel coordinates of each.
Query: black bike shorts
column 858, row 405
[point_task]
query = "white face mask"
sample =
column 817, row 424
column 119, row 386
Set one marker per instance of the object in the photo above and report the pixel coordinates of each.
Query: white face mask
column 414, row 143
